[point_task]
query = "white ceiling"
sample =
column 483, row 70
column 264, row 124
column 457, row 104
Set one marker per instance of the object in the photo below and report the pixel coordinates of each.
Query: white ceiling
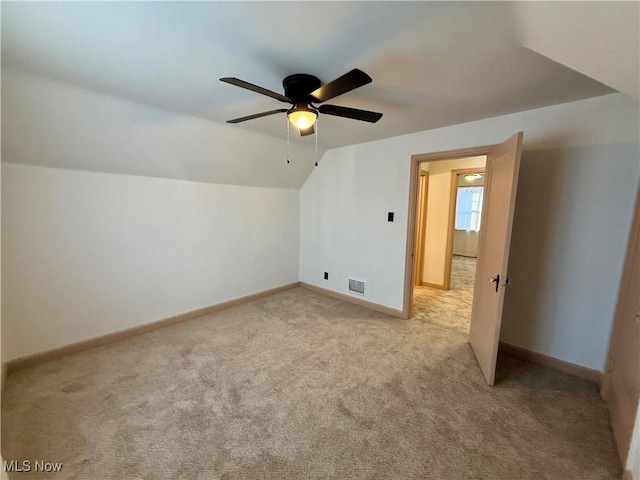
column 432, row 63
column 599, row 39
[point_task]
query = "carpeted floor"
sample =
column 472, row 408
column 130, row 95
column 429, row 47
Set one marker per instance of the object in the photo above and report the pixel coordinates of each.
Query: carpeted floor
column 448, row 308
column 302, row 386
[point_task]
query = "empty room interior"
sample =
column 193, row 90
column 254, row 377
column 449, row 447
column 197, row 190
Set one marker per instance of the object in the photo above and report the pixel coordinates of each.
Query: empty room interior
column 300, row 240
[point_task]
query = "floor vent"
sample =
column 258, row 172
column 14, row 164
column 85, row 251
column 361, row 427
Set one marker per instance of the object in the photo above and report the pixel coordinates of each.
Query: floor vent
column 356, row 286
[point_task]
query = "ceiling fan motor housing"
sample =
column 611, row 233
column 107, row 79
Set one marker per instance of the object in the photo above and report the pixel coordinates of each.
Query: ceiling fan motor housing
column 297, row 87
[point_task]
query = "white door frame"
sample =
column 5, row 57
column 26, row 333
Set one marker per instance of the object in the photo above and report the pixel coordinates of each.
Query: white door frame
column 416, row 160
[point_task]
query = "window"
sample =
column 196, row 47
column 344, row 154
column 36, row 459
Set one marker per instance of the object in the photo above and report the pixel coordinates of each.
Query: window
column 469, row 208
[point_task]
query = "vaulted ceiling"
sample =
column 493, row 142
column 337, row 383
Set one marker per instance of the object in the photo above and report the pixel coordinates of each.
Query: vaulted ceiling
column 432, row 63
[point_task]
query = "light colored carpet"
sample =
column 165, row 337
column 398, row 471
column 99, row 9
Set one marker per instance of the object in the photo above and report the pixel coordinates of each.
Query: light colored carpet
column 448, row 308
column 302, row 386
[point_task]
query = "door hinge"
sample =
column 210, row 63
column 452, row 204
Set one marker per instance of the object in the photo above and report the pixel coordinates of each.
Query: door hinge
column 610, row 365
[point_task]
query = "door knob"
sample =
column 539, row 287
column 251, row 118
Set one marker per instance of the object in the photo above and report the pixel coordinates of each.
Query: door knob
column 495, row 279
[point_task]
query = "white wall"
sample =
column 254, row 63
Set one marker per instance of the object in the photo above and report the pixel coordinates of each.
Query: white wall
column 568, row 247
column 438, row 211
column 85, row 253
column 593, row 144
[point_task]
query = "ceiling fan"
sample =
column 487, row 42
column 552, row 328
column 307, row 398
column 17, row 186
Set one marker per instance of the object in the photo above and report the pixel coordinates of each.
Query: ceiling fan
column 302, row 90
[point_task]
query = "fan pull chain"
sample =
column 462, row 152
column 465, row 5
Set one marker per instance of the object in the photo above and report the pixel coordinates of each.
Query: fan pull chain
column 316, row 142
column 288, row 147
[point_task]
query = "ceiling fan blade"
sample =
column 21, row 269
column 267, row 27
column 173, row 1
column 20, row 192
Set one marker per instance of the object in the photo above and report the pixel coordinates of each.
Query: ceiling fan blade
column 254, row 88
column 307, row 131
column 347, row 82
column 354, row 113
column 257, row 115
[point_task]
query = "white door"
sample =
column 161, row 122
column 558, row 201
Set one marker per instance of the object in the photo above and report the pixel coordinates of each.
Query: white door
column 501, row 180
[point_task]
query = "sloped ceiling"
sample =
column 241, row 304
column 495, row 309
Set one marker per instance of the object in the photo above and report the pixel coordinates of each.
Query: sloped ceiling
column 602, row 41
column 433, row 64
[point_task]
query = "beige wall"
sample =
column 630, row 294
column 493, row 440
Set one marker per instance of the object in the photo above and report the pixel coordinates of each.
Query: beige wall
column 437, row 221
column 436, row 229
column 465, row 243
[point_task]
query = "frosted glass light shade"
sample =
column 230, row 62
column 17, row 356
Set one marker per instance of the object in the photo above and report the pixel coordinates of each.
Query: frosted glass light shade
column 302, row 117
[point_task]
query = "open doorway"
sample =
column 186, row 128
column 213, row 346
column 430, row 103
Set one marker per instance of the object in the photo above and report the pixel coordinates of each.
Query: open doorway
column 502, row 165
column 448, row 222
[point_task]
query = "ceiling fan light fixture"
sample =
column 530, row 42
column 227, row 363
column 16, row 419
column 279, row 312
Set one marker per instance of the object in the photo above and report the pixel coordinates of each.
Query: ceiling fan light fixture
column 301, row 90
column 302, row 116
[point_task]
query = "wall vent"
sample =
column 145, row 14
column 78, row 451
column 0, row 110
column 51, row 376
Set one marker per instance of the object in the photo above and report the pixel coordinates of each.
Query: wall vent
column 356, row 286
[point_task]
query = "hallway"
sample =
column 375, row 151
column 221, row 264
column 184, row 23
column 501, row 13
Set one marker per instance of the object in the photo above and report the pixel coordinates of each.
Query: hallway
column 448, row 308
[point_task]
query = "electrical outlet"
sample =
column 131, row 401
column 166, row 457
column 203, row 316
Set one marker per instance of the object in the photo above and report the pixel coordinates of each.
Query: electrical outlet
column 326, row 275
column 390, row 217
